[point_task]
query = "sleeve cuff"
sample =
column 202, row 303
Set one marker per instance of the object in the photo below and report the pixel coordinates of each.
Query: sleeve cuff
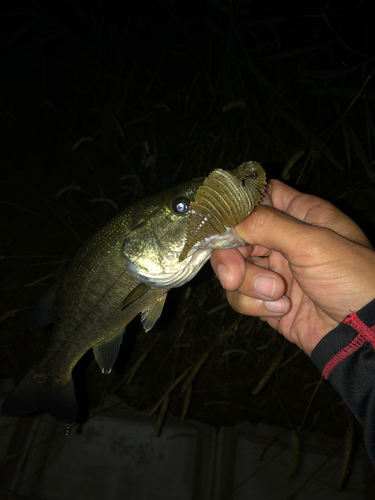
column 344, row 340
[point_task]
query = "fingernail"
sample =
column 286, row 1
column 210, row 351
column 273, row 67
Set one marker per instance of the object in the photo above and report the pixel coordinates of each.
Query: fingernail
column 221, row 273
column 265, row 285
column 278, row 306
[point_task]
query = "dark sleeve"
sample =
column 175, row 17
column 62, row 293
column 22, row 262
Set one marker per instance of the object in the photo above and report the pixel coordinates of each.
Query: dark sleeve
column 346, row 357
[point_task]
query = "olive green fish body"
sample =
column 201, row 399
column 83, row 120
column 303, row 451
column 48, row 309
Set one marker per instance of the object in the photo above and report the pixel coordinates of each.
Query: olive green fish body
column 99, row 319
column 87, row 304
column 86, row 308
column 127, row 268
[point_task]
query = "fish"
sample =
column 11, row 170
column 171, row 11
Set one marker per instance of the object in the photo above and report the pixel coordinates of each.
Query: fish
column 127, row 268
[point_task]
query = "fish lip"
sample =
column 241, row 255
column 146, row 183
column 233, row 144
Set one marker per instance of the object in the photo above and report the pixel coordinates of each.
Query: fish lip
column 229, row 239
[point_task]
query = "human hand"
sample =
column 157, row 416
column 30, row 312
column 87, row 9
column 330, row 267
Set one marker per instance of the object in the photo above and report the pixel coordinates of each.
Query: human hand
column 306, row 267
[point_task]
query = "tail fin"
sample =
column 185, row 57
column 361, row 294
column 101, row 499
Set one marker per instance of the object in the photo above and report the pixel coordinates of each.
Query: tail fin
column 30, row 395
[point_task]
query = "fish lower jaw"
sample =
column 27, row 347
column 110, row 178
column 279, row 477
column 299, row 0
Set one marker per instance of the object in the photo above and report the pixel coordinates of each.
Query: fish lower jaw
column 175, row 277
column 180, row 273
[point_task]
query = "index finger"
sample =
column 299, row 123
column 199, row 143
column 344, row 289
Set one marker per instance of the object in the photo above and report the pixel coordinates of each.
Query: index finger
column 314, row 210
column 281, row 194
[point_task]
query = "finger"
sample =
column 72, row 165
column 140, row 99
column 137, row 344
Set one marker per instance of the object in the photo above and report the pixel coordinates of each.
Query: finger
column 275, row 230
column 273, row 322
column 261, row 283
column 314, row 210
column 250, row 306
column 230, row 267
column 281, row 194
column 236, row 273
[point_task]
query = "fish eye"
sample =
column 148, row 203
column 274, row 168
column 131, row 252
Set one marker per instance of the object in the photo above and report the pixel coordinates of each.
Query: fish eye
column 181, row 205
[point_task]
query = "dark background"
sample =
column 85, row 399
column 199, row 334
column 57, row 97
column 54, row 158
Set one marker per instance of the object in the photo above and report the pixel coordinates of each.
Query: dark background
column 103, row 105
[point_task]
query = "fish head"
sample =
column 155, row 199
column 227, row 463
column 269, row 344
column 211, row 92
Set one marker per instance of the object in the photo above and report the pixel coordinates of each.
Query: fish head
column 181, row 226
column 153, row 247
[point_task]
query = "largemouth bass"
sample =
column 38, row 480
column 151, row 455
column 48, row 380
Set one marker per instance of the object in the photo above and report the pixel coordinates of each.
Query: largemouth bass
column 127, row 268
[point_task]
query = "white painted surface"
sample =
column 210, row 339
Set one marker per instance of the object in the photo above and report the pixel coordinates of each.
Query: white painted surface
column 116, row 456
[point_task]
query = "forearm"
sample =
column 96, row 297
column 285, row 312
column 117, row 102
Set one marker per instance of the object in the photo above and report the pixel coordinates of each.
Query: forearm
column 346, row 357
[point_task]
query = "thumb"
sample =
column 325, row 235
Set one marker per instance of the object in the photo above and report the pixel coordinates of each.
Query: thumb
column 278, row 231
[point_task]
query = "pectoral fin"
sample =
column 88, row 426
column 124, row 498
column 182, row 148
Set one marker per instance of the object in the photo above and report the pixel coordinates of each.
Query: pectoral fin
column 106, row 353
column 41, row 314
column 150, row 315
column 135, row 294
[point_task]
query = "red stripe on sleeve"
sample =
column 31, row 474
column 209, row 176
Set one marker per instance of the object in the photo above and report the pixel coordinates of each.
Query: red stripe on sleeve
column 365, row 334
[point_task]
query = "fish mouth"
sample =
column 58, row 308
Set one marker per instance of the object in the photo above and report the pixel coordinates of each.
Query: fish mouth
column 225, row 198
column 182, row 272
column 220, row 202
